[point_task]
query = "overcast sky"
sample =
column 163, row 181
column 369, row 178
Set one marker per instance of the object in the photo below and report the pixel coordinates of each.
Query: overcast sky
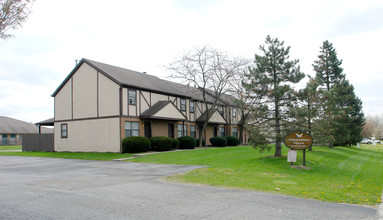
column 149, row 34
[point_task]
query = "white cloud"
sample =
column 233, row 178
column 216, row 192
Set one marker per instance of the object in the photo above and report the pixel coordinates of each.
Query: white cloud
column 146, row 35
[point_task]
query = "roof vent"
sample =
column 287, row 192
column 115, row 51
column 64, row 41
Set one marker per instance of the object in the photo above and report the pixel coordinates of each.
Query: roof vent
column 144, row 72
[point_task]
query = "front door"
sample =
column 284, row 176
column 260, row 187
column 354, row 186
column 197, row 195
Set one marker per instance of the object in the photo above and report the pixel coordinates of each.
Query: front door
column 215, row 131
column 148, row 129
column 171, row 130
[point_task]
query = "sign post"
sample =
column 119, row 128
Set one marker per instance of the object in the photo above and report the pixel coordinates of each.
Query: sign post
column 299, row 141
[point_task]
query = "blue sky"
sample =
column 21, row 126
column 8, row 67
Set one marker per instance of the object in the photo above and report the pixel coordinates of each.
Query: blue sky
column 148, row 35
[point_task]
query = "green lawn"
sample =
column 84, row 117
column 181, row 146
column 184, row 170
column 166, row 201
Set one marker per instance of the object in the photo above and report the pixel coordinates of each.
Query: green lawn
column 10, row 147
column 68, row 155
column 343, row 174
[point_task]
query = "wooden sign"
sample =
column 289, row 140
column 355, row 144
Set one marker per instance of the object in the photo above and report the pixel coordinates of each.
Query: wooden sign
column 298, row 140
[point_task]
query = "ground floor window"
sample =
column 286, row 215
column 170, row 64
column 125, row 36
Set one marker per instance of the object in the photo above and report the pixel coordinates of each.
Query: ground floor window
column 192, row 131
column 132, row 129
column 182, row 130
column 222, row 131
column 235, row 132
column 64, row 130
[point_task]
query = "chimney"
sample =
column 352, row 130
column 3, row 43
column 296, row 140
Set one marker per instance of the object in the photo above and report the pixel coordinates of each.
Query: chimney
column 76, row 62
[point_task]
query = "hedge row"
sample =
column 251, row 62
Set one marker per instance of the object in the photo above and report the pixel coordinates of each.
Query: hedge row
column 143, row 144
column 224, row 141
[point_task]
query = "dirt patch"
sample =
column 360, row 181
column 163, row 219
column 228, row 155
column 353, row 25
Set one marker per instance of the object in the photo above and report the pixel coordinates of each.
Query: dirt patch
column 300, row 167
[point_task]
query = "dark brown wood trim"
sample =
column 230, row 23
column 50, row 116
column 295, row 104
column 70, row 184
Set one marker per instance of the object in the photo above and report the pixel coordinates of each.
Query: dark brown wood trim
column 145, row 99
column 140, row 101
column 121, row 110
column 150, row 99
column 90, row 118
column 136, row 105
column 200, row 111
column 127, row 100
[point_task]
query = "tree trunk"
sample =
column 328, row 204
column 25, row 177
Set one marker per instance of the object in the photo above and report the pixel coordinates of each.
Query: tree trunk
column 278, row 147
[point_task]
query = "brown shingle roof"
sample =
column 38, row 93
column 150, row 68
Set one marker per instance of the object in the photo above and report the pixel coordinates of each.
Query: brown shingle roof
column 130, row 78
column 14, row 126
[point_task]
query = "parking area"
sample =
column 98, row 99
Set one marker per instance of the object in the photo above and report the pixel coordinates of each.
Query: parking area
column 51, row 188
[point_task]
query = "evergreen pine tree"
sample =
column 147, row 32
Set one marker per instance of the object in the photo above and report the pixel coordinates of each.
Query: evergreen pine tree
column 271, row 82
column 327, row 67
column 340, row 118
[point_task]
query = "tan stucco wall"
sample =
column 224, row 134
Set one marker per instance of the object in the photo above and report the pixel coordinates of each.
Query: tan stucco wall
column 144, row 105
column 98, row 135
column 217, row 118
column 63, row 103
column 85, row 92
column 109, row 101
column 169, row 111
column 158, row 97
column 125, row 101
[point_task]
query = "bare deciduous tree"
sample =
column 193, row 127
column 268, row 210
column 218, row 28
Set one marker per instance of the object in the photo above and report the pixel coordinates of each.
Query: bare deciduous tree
column 12, row 14
column 210, row 71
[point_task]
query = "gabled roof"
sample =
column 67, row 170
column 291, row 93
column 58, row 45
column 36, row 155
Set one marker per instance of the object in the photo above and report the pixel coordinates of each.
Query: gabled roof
column 14, row 126
column 216, row 118
column 164, row 110
column 129, row 78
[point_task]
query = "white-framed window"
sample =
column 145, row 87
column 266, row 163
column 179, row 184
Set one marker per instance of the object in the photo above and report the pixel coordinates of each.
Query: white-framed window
column 221, row 131
column 64, row 130
column 183, row 104
column 192, row 131
column 234, row 132
column 132, row 96
column 132, row 128
column 234, row 112
column 182, row 130
column 191, row 106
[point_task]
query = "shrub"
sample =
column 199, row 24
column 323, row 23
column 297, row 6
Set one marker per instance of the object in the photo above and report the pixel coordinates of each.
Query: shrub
column 161, row 143
column 197, row 142
column 175, row 143
column 186, row 142
column 232, row 141
column 218, row 141
column 135, row 144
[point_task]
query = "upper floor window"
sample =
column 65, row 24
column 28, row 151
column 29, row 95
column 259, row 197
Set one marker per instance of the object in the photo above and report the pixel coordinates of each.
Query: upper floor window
column 234, row 112
column 191, row 106
column 183, row 104
column 132, row 97
column 220, row 109
column 64, row 130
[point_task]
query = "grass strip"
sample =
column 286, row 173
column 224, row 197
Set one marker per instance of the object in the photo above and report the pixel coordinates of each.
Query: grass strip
column 342, row 174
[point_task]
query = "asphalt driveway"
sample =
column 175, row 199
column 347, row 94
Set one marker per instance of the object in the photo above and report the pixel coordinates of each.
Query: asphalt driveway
column 51, row 188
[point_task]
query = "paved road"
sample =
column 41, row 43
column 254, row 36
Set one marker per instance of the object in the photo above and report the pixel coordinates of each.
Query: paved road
column 49, row 188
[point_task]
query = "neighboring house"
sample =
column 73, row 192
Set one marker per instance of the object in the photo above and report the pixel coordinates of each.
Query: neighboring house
column 98, row 105
column 12, row 130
